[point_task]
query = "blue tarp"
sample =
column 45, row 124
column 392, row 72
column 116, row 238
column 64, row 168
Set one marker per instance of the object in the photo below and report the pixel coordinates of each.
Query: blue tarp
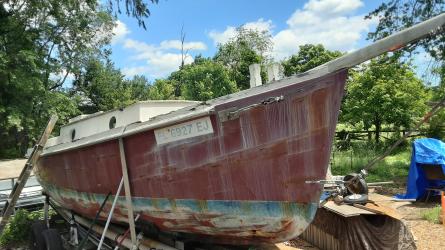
column 425, row 151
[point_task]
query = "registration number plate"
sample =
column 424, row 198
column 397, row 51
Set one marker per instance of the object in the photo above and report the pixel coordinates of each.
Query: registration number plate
column 184, row 130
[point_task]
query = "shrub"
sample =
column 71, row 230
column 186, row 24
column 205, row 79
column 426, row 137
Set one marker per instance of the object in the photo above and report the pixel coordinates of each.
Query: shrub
column 18, row 229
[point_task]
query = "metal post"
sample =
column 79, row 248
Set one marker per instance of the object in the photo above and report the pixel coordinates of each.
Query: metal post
column 46, row 211
column 119, row 241
column 110, row 215
column 127, row 193
column 146, row 243
column 84, row 240
column 74, row 239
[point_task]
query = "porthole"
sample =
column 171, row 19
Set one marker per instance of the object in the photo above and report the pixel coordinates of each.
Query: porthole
column 112, row 123
column 73, row 134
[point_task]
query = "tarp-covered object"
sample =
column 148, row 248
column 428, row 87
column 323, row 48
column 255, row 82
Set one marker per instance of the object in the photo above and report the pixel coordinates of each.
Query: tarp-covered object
column 332, row 231
column 425, row 151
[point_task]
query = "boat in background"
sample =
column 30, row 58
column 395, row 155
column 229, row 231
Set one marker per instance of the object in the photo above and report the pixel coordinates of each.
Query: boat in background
column 234, row 169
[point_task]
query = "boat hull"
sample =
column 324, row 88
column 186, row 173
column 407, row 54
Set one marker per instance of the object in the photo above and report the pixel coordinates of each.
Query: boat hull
column 235, row 222
column 245, row 182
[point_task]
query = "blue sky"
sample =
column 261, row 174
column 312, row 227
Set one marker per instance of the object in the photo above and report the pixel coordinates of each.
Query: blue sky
column 337, row 24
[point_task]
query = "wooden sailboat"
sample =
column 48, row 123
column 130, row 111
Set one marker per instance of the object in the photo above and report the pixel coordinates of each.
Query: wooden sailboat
column 232, row 169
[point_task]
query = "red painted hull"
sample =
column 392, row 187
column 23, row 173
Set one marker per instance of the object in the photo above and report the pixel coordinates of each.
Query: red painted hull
column 266, row 154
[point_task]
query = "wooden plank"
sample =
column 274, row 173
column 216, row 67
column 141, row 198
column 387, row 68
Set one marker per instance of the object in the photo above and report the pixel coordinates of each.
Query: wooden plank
column 378, row 209
column 345, row 210
column 379, row 198
column 387, row 201
column 26, row 172
column 127, row 192
column 281, row 246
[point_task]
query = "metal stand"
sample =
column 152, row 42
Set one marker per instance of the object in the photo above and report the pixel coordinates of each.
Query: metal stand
column 46, row 211
column 94, row 221
column 74, row 238
column 110, row 215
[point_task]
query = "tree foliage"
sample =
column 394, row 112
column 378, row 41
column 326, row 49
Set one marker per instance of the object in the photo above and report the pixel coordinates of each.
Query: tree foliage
column 245, row 48
column 384, row 93
column 308, row 57
column 162, row 89
column 41, row 43
column 395, row 15
column 137, row 9
column 102, row 87
column 206, row 80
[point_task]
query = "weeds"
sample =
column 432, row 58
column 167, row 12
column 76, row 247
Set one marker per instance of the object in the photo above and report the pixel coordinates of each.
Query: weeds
column 394, row 167
column 18, row 229
column 432, row 215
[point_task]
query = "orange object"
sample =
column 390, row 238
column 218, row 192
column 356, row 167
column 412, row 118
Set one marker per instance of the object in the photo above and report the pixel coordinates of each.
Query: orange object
column 442, row 198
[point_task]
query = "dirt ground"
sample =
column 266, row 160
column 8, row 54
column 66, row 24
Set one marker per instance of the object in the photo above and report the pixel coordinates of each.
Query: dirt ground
column 427, row 235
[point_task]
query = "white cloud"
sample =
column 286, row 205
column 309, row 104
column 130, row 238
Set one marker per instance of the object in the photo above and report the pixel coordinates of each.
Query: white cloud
column 153, row 60
column 120, row 31
column 221, row 37
column 176, row 44
column 329, row 22
column 136, row 70
column 259, row 25
column 158, row 60
column 333, row 7
column 332, row 23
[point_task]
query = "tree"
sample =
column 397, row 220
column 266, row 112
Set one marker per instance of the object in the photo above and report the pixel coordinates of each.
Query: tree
column 385, row 92
column 102, row 87
column 139, row 88
column 436, row 125
column 206, row 80
column 395, row 15
column 41, row 44
column 308, row 57
column 162, row 89
column 61, row 36
column 138, row 9
column 246, row 48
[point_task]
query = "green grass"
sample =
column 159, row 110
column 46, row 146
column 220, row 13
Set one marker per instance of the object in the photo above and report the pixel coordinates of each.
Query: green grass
column 432, row 215
column 393, row 168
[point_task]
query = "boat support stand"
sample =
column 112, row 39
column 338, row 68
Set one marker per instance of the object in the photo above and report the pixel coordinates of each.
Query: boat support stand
column 127, row 192
column 126, row 182
column 110, row 215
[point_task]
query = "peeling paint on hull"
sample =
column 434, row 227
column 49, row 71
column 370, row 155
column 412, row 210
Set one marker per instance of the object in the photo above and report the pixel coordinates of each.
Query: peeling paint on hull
column 250, row 166
column 236, row 221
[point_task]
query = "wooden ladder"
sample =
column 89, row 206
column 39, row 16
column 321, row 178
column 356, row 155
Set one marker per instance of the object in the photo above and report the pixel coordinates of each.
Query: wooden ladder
column 24, row 175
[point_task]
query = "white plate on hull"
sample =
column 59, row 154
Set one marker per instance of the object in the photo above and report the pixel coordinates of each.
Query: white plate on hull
column 201, row 126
